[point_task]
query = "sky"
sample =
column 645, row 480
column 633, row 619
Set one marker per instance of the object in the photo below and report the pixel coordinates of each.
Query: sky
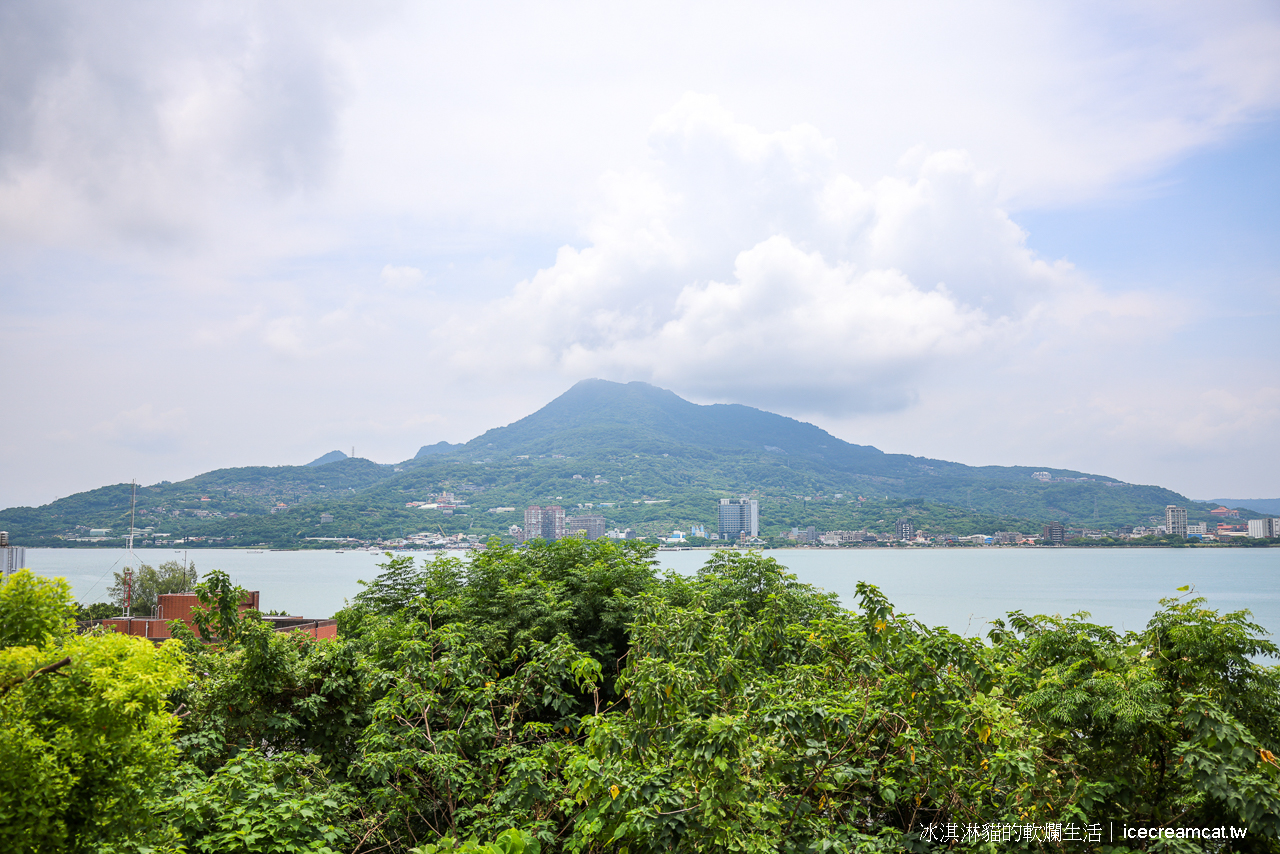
column 1000, row 233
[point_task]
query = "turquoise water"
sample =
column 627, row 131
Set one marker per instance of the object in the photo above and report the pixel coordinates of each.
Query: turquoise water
column 960, row 588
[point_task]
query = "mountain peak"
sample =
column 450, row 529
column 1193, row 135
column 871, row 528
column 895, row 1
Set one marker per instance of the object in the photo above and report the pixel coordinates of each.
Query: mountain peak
column 331, row 457
column 637, row 417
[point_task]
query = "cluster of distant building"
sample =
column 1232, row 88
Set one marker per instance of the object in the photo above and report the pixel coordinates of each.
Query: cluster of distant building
column 1046, row 477
column 738, row 521
column 551, row 523
column 1175, row 522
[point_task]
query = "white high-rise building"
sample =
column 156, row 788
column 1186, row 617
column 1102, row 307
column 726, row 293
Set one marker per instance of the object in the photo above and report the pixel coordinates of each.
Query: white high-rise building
column 1261, row 528
column 12, row 558
column 739, row 516
column 1175, row 520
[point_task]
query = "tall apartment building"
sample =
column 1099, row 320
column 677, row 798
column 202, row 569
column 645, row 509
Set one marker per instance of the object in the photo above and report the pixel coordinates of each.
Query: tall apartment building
column 1260, row 528
column 905, row 529
column 739, row 516
column 12, row 558
column 1175, row 520
column 545, row 523
column 590, row 525
column 1054, row 534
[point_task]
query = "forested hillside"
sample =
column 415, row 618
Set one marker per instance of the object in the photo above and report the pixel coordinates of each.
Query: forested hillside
column 640, row 455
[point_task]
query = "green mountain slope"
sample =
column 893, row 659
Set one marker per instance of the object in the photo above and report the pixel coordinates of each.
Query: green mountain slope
column 641, row 455
column 597, row 416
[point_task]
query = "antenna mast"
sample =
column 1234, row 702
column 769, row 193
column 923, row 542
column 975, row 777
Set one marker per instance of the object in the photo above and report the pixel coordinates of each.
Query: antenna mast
column 128, row 572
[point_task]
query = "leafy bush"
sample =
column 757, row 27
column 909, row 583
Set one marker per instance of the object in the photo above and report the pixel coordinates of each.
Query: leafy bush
column 283, row 804
column 510, row 841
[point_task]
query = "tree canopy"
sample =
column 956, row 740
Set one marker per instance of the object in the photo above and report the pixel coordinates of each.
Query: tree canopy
column 565, row 697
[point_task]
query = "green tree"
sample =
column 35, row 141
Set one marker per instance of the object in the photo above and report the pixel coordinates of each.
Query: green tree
column 98, row 611
column 34, row 611
column 85, row 728
column 150, row 582
column 1175, row 722
column 509, row 596
column 217, row 616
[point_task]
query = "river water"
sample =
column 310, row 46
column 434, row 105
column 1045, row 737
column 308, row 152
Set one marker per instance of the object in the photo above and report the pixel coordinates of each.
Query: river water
column 963, row 589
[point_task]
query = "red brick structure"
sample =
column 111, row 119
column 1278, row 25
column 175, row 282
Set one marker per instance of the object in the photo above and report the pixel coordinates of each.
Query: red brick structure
column 178, row 606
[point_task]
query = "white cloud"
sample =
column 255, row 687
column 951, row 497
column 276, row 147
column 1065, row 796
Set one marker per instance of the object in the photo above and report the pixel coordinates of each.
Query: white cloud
column 157, row 126
column 795, row 331
column 401, row 277
column 744, row 265
column 276, row 128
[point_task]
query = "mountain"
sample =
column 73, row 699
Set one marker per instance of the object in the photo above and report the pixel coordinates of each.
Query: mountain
column 636, row 416
column 437, row 448
column 642, row 455
column 597, row 416
column 331, row 457
column 731, row 449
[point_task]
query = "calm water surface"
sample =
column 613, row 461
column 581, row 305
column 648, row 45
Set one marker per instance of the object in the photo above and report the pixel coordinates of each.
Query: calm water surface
column 963, row 589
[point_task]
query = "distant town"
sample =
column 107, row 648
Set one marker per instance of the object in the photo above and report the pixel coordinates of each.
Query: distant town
column 739, row 526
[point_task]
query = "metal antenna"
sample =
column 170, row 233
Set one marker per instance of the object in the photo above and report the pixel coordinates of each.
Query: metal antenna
column 128, row 572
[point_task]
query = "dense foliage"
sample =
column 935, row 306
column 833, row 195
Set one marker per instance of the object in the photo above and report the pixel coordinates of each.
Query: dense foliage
column 86, row 734
column 565, row 698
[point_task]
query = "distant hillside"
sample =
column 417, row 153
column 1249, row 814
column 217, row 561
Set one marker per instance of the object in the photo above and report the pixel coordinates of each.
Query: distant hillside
column 331, row 457
column 653, row 439
column 641, row 455
column 437, row 448
column 601, row 417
